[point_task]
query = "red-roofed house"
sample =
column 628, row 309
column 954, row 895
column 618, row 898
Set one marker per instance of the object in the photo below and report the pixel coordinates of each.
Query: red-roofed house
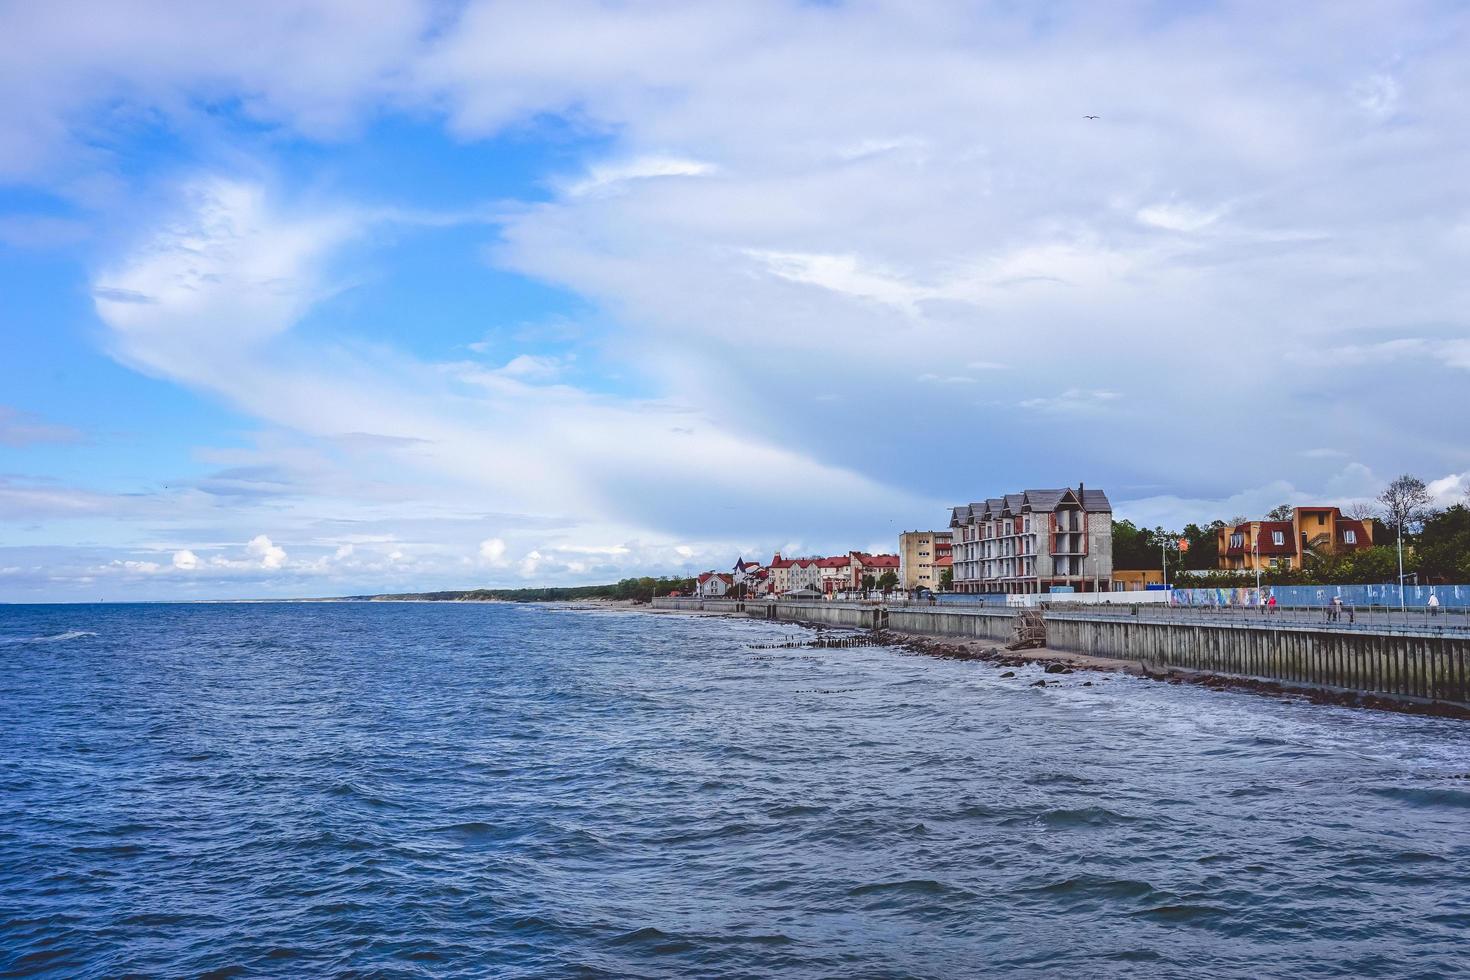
column 714, row 585
column 1286, row 544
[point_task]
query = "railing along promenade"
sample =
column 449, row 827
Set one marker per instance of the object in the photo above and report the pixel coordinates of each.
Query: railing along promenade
column 1409, row 654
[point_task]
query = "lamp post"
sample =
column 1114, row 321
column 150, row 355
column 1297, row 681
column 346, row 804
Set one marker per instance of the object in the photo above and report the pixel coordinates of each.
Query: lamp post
column 1256, row 554
column 1400, row 537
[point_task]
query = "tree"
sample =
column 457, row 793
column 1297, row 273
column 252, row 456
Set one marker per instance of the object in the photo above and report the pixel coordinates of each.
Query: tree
column 1166, row 544
column 888, row 581
column 1281, row 512
column 1405, row 504
column 946, row 579
column 1134, row 547
column 1204, row 545
column 1362, row 510
column 868, row 583
column 1443, row 548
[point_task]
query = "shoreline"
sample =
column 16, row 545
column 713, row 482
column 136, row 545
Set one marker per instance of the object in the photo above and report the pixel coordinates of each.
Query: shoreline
column 994, row 654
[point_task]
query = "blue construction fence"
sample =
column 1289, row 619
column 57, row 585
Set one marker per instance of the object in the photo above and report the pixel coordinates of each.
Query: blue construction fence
column 1414, row 596
column 970, row 598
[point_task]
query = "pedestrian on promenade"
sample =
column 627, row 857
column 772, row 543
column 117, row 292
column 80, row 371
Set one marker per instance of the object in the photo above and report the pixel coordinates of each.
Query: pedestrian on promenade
column 1433, row 604
column 1336, row 608
column 1271, row 604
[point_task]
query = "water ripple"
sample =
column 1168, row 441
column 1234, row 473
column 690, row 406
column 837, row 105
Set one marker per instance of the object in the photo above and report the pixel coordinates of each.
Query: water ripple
column 424, row 790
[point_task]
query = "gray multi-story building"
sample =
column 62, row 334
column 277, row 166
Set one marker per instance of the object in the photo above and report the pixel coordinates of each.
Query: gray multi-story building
column 1034, row 541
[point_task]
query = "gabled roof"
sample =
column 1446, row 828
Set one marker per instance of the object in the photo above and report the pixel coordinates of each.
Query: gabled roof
column 834, row 562
column 1045, row 500
column 1266, row 544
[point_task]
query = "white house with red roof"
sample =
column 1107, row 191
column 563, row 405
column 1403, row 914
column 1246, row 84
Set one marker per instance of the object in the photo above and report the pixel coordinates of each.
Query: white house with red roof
column 715, row 585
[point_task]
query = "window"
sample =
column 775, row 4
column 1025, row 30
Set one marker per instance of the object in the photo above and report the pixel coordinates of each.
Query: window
column 1237, row 540
column 1321, row 520
column 1278, row 538
column 1350, row 537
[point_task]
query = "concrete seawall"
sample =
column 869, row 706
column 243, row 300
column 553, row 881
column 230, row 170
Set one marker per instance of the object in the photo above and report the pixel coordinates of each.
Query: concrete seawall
column 1400, row 664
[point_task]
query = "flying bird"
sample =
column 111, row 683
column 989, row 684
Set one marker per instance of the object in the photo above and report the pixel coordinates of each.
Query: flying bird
column 1089, row 117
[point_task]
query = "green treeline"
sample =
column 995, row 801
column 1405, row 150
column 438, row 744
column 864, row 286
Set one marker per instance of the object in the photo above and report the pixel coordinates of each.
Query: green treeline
column 637, row 589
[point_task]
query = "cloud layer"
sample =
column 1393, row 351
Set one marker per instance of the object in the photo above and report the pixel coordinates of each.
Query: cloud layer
column 849, row 263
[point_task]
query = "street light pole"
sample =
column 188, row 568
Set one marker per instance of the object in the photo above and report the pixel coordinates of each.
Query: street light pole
column 1400, row 537
column 1256, row 553
column 1164, row 554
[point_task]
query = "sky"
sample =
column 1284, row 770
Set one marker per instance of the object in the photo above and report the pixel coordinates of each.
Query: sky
column 319, row 297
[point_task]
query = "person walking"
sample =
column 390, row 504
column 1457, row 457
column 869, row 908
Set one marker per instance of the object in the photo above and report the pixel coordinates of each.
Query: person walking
column 1433, row 604
column 1271, row 604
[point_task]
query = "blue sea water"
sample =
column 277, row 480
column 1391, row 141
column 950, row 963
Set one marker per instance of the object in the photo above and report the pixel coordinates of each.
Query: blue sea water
column 436, row 789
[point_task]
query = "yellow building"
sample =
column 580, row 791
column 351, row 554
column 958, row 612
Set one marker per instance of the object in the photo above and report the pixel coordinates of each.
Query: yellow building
column 1136, row 580
column 1286, row 544
column 918, row 552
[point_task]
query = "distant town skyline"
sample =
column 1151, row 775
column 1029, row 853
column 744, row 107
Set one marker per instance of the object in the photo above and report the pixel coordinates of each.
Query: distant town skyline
column 316, row 298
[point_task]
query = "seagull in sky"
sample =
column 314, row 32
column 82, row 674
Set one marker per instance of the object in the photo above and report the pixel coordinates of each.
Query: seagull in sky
column 1089, row 117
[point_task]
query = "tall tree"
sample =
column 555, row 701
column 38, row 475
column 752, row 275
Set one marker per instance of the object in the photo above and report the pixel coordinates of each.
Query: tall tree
column 1405, row 505
column 1281, row 512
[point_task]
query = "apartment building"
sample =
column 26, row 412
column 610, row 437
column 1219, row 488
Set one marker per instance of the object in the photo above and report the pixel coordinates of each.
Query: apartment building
column 1034, row 541
column 1286, row 544
column 790, row 574
column 918, row 558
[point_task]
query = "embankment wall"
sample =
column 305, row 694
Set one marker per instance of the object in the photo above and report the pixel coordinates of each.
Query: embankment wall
column 1402, row 664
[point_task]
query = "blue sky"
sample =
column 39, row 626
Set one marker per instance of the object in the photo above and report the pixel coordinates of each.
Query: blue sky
column 324, row 298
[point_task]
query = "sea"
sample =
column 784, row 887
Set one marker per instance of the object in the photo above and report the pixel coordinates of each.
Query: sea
column 458, row 789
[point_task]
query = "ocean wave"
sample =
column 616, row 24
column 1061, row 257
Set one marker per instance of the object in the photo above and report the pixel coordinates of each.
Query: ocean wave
column 52, row 638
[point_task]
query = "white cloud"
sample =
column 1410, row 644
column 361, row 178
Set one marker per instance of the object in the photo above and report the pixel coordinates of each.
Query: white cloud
column 271, row 556
column 185, row 560
column 1174, row 216
column 1073, row 401
column 606, row 176
column 19, row 429
column 492, row 550
column 1451, row 489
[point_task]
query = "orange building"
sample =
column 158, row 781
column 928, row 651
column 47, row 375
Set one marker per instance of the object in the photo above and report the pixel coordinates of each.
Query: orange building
column 1286, row 544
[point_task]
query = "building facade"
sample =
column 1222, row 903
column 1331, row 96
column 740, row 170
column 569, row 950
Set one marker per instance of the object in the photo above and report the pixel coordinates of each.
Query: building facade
column 918, row 556
column 1035, row 541
column 1264, row 545
column 790, row 574
column 715, row 585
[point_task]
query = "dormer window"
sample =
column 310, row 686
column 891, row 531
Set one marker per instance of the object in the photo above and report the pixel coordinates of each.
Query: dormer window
column 1237, row 540
column 1349, row 537
column 1278, row 538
